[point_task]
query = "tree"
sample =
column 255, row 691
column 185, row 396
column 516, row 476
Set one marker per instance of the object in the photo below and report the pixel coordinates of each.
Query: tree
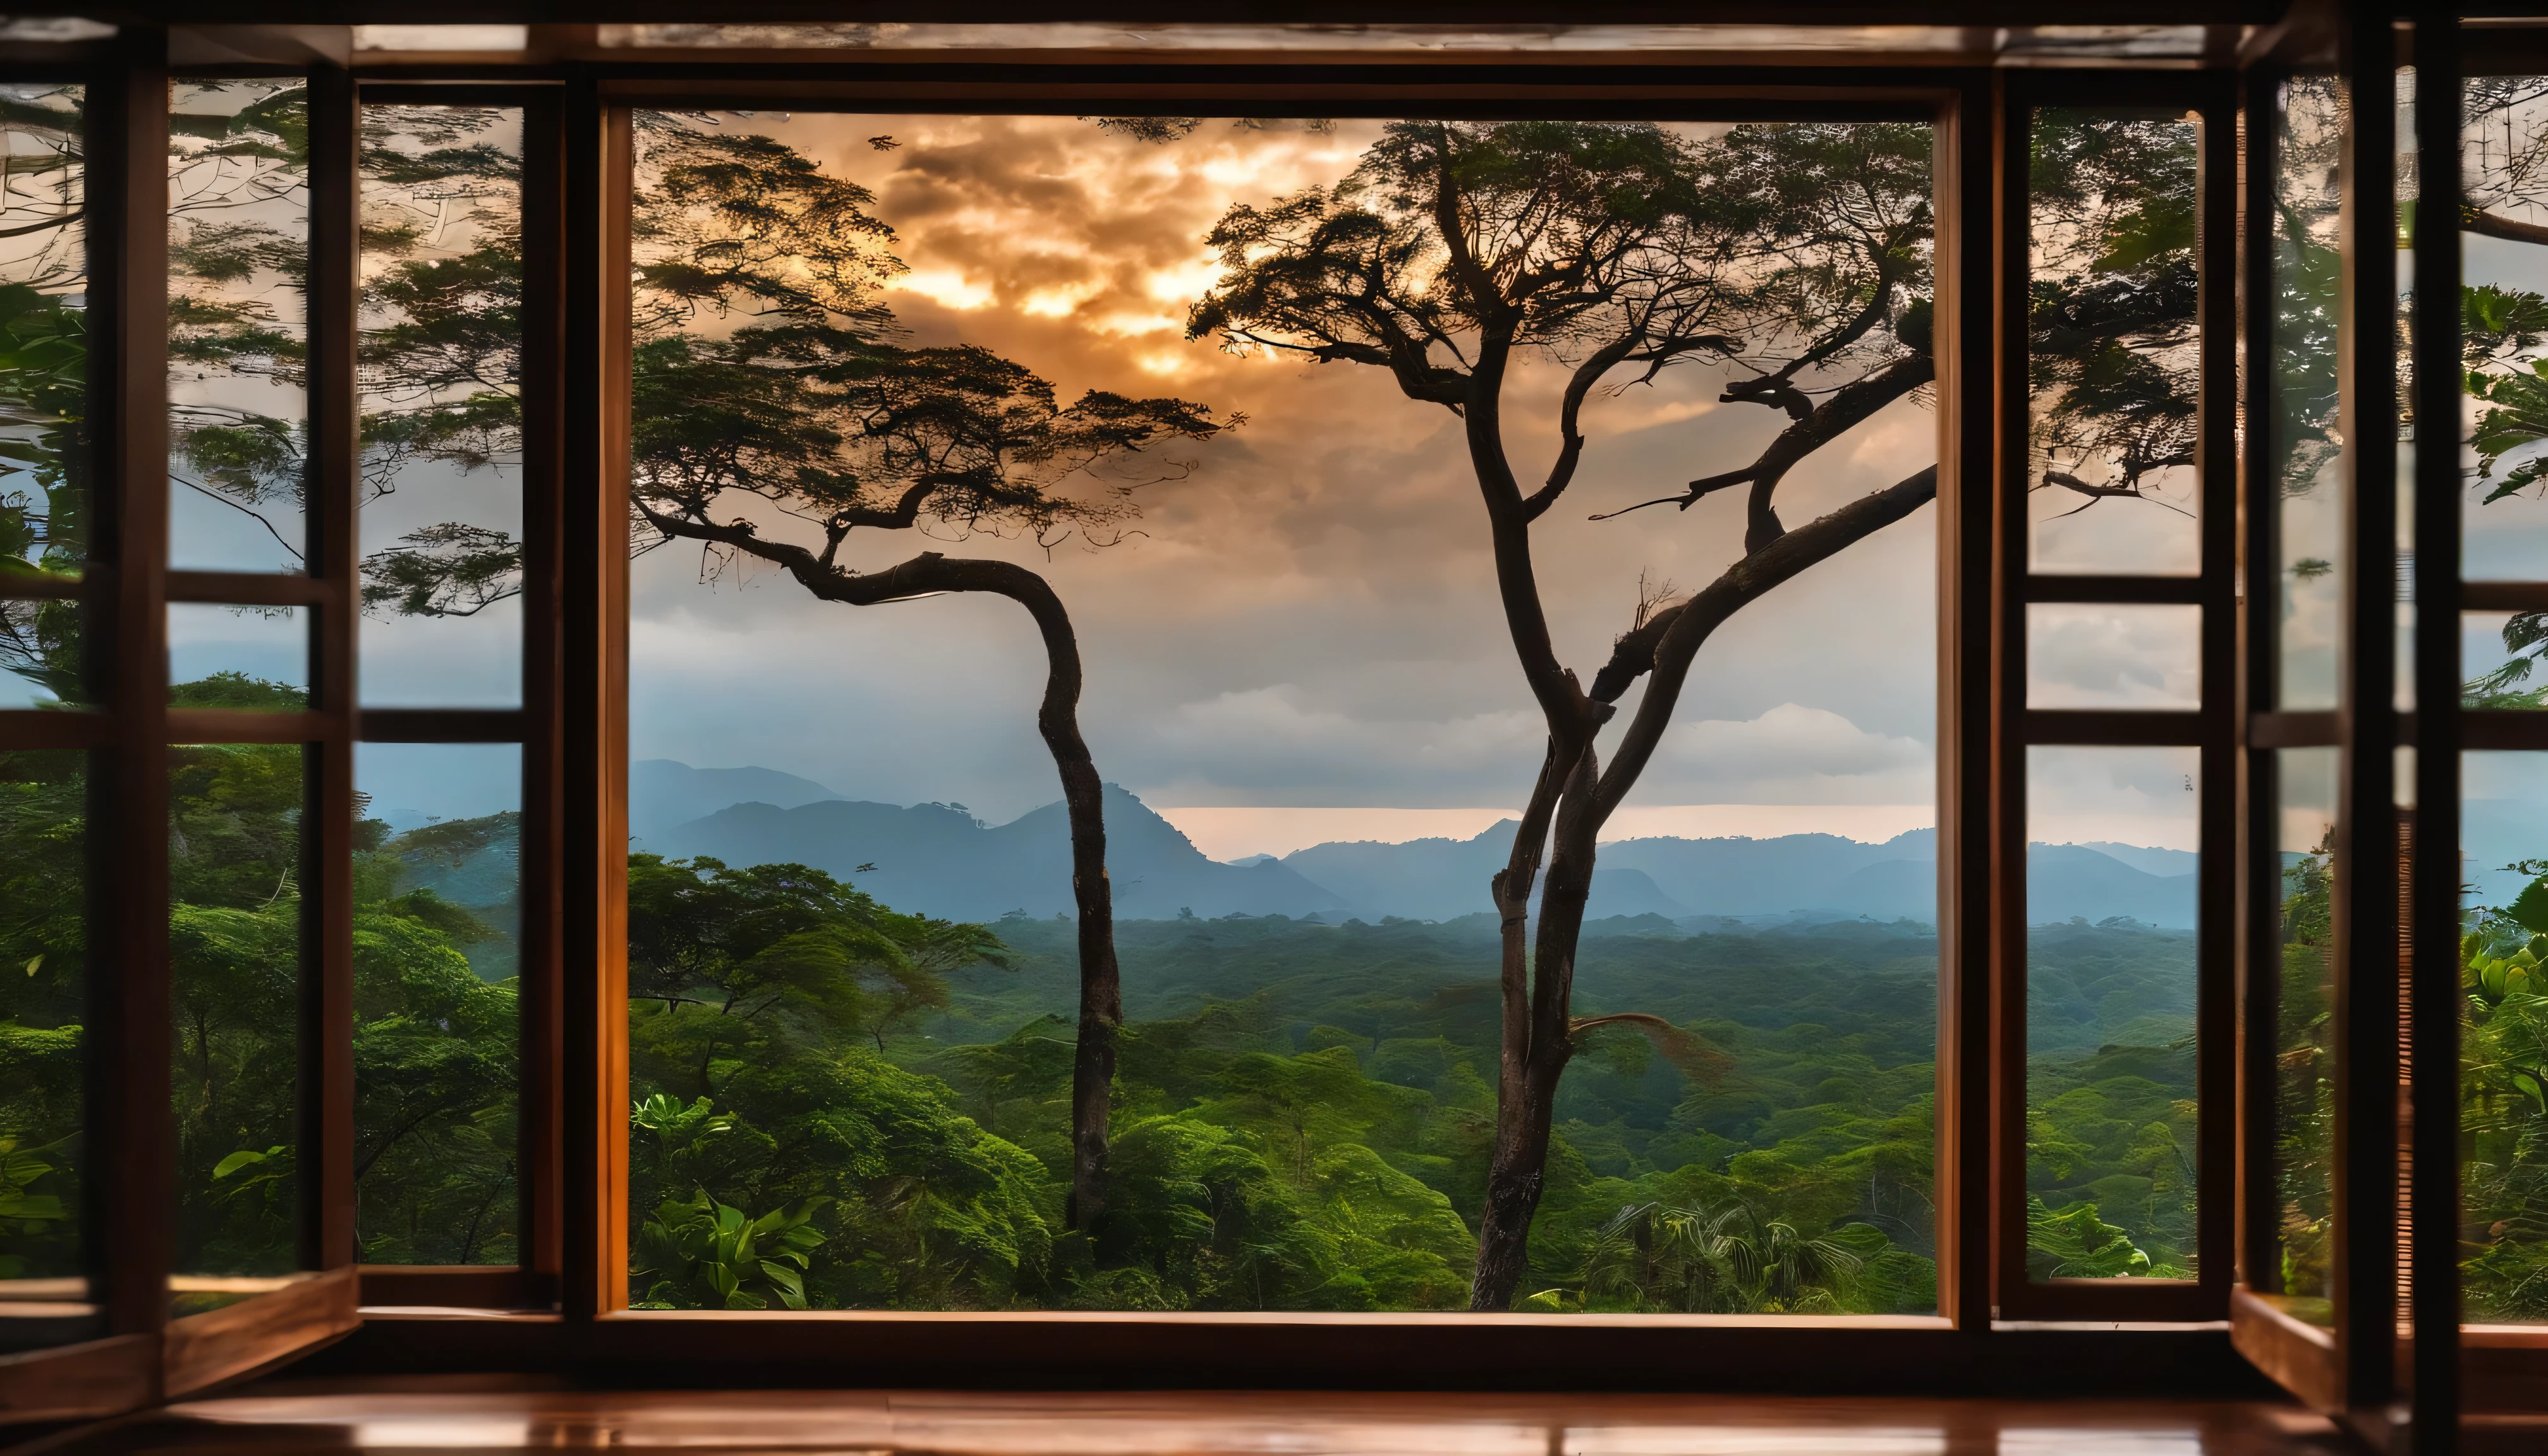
column 812, row 406
column 1794, row 256
column 783, row 1162
column 812, row 410
column 45, row 507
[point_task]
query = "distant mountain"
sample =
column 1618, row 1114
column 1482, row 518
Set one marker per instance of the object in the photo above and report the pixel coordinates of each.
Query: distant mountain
column 1439, row 878
column 2166, row 864
column 664, row 794
column 938, row 860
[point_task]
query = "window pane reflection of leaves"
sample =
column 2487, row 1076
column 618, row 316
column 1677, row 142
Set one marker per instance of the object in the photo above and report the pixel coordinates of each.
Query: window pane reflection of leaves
column 46, row 475
column 2504, row 1036
column 235, row 934
column 2304, row 438
column 43, row 1008
column 2113, row 343
column 442, row 422
column 238, row 273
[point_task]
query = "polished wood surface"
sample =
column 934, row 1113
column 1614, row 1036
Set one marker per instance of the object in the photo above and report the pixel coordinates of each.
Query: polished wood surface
column 425, row 1419
column 2299, row 1355
column 237, row 1341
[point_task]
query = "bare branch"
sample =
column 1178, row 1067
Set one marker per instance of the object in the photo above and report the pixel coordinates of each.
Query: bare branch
column 1667, row 644
column 2495, row 224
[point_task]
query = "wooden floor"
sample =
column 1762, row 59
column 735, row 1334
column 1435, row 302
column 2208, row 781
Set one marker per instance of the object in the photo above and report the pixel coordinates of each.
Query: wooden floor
column 1190, row 1424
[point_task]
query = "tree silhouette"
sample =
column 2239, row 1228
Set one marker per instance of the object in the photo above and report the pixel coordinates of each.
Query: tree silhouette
column 1795, row 257
column 806, row 407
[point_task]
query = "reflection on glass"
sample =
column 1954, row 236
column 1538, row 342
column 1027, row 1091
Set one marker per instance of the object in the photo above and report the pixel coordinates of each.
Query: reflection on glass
column 2101, row 655
column 239, row 267
column 40, row 661
column 2305, row 1028
column 2109, row 988
column 44, row 946
column 2303, row 439
column 2504, row 1047
column 436, row 1028
column 2499, row 653
column 44, row 467
column 2503, row 527
column 2111, row 342
column 238, row 657
column 234, row 948
column 442, row 500
column 44, row 471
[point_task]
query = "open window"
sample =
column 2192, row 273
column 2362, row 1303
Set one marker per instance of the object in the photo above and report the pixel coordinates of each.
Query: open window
column 482, row 503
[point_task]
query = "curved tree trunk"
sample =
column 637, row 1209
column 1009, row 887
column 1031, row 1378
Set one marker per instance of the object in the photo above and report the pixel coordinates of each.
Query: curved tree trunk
column 1538, row 1033
column 1083, row 796
column 1536, row 1043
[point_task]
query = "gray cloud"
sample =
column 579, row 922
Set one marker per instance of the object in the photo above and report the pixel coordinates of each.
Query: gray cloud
column 1310, row 615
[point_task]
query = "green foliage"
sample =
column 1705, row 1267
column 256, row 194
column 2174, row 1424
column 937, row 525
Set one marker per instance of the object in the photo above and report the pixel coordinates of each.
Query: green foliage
column 26, row 1217
column 752, row 992
column 1794, row 247
column 2503, row 1119
column 2111, row 301
column 234, row 689
column 1654, row 1259
column 2074, row 1243
column 704, row 1254
column 46, row 475
column 2303, row 437
column 435, row 1045
column 1303, row 1121
column 43, row 994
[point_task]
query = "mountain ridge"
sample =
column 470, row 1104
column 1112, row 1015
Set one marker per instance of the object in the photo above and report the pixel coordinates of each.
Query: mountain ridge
column 938, row 860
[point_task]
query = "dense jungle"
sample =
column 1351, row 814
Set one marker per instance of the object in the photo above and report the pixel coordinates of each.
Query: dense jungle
column 836, row 1106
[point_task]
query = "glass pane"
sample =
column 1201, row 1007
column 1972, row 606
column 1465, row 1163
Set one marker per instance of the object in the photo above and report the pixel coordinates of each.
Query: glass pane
column 2504, row 517
column 44, row 946
column 2500, row 654
column 2505, row 1038
column 2098, row 656
column 2111, row 982
column 877, row 336
column 442, row 425
column 41, row 664
column 238, row 266
column 437, row 1030
column 2113, row 344
column 2303, row 439
column 234, row 948
column 2305, row 1030
column 45, row 470
column 238, row 657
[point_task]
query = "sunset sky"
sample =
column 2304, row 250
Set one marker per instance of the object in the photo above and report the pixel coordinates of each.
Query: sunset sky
column 1306, row 620
column 1301, row 641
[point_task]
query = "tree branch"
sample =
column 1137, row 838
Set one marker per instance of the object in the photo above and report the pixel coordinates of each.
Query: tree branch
column 2495, row 224
column 1620, row 351
column 1845, row 410
column 1671, row 639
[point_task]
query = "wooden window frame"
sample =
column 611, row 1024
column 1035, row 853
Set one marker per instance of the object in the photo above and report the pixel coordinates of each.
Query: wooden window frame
column 598, row 1260
column 563, row 1308
column 2211, row 98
